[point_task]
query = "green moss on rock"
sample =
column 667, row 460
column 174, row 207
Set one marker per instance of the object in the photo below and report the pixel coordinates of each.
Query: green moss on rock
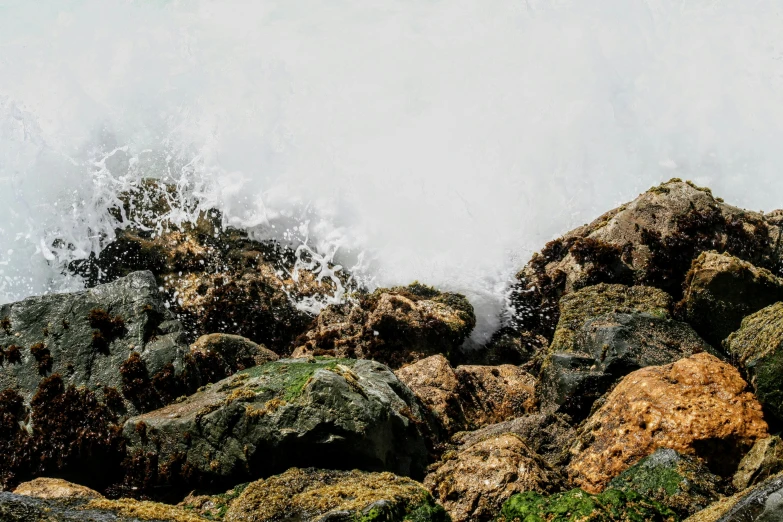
column 287, row 380
column 577, row 506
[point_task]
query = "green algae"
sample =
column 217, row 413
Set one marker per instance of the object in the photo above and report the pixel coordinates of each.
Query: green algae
column 287, row 379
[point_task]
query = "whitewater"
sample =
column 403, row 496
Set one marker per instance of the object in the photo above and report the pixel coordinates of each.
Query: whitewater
column 439, row 141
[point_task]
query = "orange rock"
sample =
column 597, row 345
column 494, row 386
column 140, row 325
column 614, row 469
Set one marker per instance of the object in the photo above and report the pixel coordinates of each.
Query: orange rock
column 697, row 406
column 55, row 488
column 434, row 382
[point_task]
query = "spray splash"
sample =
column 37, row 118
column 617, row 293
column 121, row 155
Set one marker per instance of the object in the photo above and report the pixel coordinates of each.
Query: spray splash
column 438, row 141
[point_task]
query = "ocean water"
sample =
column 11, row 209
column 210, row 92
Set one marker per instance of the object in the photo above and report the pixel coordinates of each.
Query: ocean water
column 431, row 140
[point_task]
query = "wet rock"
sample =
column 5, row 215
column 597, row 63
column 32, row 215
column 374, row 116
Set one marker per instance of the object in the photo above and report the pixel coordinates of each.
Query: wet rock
column 758, row 347
column 606, row 348
column 698, row 406
column 578, row 506
column 548, row 435
column 19, row 508
column 761, row 503
column 507, row 346
column 763, row 460
column 393, row 326
column 677, row 481
column 330, row 413
column 55, row 488
column 474, row 482
column 216, row 279
column 320, row 495
column 86, row 337
column 469, row 397
column 721, row 290
column 221, row 355
column 650, row 241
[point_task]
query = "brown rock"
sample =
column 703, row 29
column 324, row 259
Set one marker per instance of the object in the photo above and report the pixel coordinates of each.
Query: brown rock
column 763, row 460
column 473, row 483
column 470, row 396
column 221, row 355
column 394, row 326
column 55, row 488
column 650, row 241
column 697, row 405
column 721, row 290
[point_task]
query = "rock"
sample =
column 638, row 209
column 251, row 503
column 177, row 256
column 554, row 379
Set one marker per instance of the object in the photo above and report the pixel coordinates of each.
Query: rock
column 216, row 279
column 606, row 348
column 221, row 355
column 677, row 481
column 473, row 483
column 548, row 435
column 697, row 406
column 507, row 346
column 87, row 337
column 761, row 503
column 212, row 507
column 650, row 241
column 577, row 506
column 763, row 460
column 320, row 495
column 19, row 508
column 330, row 413
column 758, row 347
column 394, row 326
column 470, row 396
column 721, row 290
column 55, row 488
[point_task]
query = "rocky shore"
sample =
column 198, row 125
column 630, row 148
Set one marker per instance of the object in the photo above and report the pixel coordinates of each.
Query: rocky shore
column 640, row 379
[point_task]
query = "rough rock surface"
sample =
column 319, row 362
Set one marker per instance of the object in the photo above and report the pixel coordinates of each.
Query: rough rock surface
column 313, row 494
column 216, row 279
column 54, row 488
column 605, row 349
column 761, row 503
column 87, row 337
column 331, row 413
column 548, row 435
column 474, row 482
column 221, row 355
column 721, row 290
column 20, row 508
column 763, row 460
column 651, row 240
column 697, row 406
column 506, row 346
column 394, row 326
column 677, row 481
column 758, row 347
column 469, row 397
column 578, row 506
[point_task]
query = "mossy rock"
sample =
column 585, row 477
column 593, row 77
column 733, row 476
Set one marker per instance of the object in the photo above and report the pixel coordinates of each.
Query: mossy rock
column 758, row 347
column 681, row 482
column 330, row 413
column 577, row 308
column 350, row 496
column 577, row 506
column 760, row 503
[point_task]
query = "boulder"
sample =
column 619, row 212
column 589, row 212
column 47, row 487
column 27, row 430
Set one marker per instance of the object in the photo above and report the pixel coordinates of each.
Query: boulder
column 650, row 241
column 698, row 406
column 763, row 460
column 721, row 290
column 216, row 279
column 90, row 337
column 578, row 506
column 760, row 503
column 55, row 488
column 469, row 397
column 677, row 481
column 20, row 508
column 474, row 482
column 506, row 346
column 321, row 495
column 548, row 435
column 394, row 326
column 606, row 348
column 758, row 347
column 330, row 413
column 221, row 355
